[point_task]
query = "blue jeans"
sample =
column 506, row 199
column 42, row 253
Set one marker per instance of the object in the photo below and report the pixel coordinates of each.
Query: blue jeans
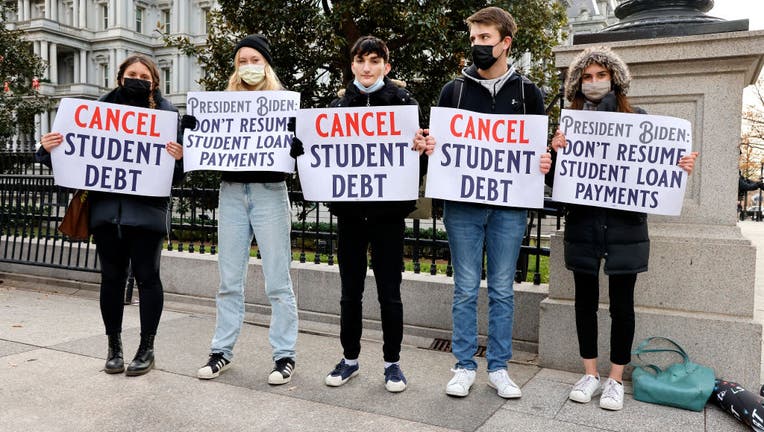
column 502, row 230
column 260, row 210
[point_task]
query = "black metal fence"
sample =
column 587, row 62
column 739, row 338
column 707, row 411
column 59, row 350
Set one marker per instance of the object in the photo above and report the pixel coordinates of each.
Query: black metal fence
column 32, row 207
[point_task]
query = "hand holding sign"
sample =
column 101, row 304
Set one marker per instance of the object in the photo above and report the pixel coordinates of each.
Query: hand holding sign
column 51, row 140
column 423, row 142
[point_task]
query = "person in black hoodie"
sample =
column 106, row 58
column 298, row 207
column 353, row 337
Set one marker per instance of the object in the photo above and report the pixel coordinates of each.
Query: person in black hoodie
column 490, row 85
column 376, row 224
column 598, row 80
column 129, row 228
column 254, row 204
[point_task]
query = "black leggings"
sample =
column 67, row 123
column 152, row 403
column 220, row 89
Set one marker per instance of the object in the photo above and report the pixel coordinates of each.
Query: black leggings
column 116, row 251
column 355, row 234
column 621, row 290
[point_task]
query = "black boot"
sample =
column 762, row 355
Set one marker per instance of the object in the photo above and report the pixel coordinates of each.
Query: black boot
column 144, row 358
column 114, row 360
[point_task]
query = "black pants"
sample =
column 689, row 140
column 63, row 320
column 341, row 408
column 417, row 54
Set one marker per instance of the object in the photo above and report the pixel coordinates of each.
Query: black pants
column 621, row 290
column 116, row 250
column 355, row 234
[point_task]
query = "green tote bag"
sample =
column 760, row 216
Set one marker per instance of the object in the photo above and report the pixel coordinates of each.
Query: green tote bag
column 684, row 385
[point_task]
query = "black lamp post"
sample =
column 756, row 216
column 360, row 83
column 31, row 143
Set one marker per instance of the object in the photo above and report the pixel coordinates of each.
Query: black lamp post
column 647, row 19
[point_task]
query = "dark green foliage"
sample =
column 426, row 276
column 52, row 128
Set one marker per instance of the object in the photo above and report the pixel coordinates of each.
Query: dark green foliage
column 428, row 41
column 18, row 67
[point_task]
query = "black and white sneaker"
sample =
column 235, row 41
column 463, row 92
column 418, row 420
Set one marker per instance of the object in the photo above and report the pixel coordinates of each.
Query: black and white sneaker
column 215, row 365
column 282, row 371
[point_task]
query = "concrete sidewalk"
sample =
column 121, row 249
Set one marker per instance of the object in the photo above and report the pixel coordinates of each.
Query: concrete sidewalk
column 52, row 353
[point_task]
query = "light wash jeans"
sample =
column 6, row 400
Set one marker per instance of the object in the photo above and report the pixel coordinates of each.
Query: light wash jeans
column 468, row 226
column 260, row 210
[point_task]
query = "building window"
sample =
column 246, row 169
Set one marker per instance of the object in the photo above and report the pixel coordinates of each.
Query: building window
column 139, row 20
column 167, row 78
column 105, row 16
column 105, row 75
column 166, row 20
column 206, row 16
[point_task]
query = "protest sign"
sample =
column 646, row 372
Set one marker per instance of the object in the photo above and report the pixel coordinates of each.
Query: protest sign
column 114, row 148
column 359, row 154
column 240, row 131
column 487, row 158
column 622, row 161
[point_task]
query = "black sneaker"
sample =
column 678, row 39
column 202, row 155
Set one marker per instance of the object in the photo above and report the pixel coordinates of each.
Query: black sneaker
column 282, row 371
column 215, row 365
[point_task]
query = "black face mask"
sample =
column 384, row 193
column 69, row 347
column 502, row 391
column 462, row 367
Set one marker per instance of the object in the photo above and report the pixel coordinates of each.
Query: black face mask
column 482, row 56
column 137, row 88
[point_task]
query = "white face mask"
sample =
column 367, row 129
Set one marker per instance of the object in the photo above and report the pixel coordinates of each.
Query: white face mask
column 595, row 91
column 372, row 88
column 252, row 73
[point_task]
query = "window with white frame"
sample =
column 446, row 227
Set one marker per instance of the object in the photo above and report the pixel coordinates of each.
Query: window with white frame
column 167, row 79
column 206, row 20
column 166, row 21
column 139, row 19
column 104, row 12
column 105, row 73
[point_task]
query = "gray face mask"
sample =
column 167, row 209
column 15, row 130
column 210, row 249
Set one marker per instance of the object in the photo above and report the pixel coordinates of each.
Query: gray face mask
column 595, row 91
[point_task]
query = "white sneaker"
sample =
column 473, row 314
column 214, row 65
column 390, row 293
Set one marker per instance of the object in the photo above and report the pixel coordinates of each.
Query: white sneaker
column 585, row 388
column 461, row 382
column 503, row 384
column 612, row 395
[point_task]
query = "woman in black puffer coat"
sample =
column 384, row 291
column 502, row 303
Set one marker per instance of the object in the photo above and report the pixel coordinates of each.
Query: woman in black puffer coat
column 129, row 229
column 598, row 80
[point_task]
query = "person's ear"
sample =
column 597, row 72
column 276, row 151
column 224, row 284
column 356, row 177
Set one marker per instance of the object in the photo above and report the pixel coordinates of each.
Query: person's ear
column 387, row 68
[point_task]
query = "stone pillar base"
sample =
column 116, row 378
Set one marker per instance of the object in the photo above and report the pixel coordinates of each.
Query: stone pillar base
column 730, row 345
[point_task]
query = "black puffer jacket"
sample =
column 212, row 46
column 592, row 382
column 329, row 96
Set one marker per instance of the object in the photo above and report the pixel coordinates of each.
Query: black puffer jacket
column 146, row 212
column 617, row 236
column 390, row 94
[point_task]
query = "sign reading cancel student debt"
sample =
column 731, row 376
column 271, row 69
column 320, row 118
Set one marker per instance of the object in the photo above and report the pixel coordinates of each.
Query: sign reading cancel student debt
column 359, row 154
column 114, row 148
column 240, row 131
column 622, row 161
column 487, row 158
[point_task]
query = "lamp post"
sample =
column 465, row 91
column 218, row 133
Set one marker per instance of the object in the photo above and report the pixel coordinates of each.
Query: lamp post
column 647, row 19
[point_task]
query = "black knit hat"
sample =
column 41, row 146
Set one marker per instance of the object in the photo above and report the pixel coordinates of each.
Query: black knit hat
column 258, row 42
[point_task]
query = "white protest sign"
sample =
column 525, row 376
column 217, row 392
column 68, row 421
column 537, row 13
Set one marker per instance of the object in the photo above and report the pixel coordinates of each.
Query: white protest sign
column 240, row 131
column 114, row 148
column 359, row 154
column 487, row 158
column 622, row 161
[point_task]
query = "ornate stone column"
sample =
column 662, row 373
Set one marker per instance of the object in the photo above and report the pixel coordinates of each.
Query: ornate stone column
column 699, row 289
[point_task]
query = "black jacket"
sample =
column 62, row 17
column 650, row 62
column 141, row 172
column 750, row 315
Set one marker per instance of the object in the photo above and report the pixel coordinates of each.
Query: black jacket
column 509, row 100
column 390, row 94
column 594, row 233
column 146, row 212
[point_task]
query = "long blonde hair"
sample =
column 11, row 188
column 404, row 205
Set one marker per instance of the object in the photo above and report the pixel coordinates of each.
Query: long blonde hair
column 270, row 82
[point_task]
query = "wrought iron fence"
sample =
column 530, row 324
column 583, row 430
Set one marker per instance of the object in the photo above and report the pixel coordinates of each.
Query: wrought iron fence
column 33, row 207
